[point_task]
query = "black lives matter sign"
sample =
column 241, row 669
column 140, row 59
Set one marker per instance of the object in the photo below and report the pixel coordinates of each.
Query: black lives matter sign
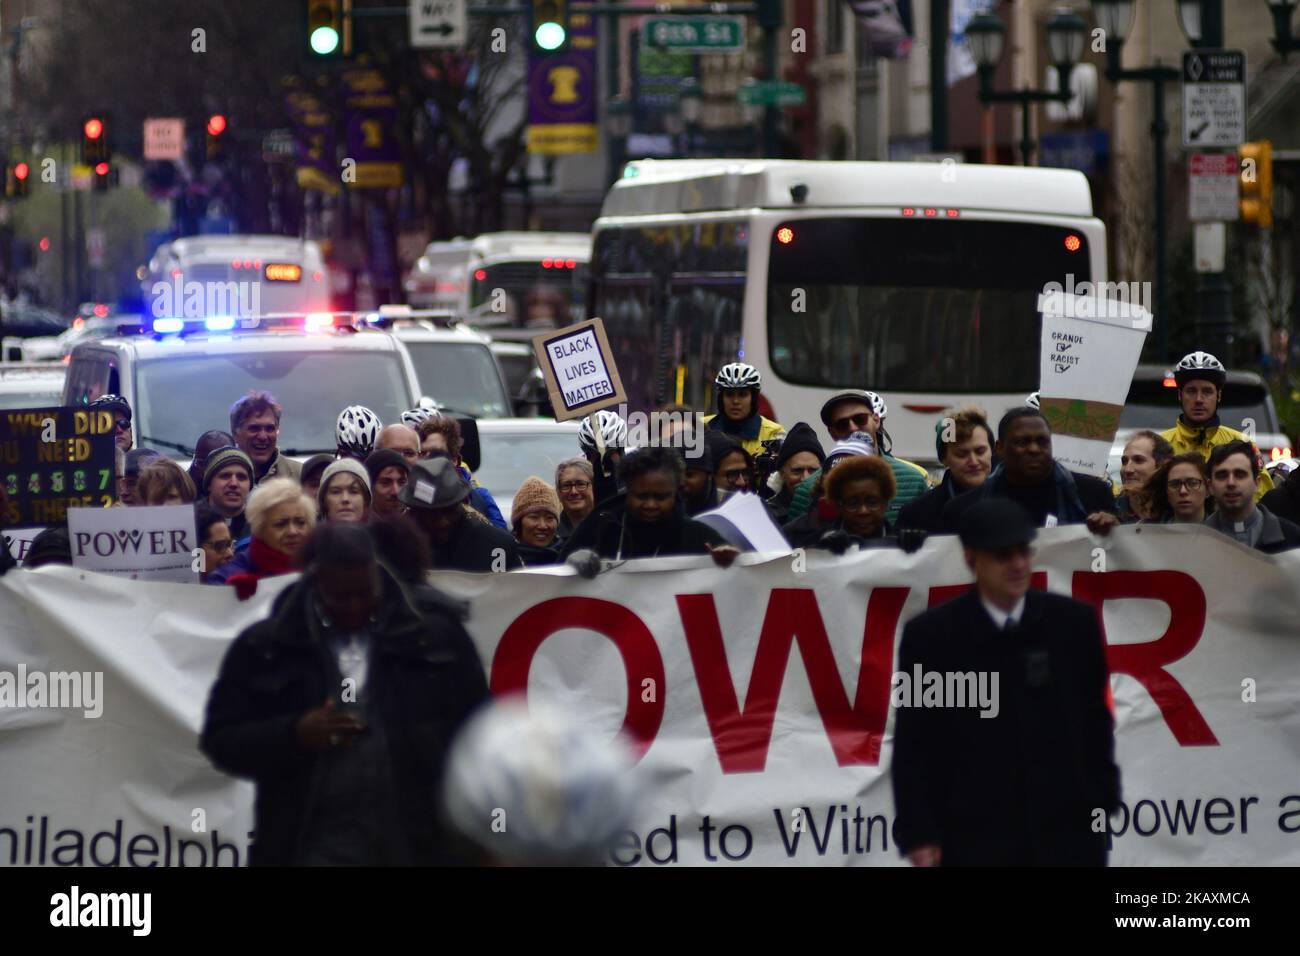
column 579, row 369
column 53, row 459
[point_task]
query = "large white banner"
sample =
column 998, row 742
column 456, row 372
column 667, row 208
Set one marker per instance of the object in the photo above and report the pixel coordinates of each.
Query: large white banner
column 755, row 694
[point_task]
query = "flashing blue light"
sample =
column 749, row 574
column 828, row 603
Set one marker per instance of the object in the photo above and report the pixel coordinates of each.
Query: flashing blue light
column 168, row 326
column 373, row 317
column 220, row 323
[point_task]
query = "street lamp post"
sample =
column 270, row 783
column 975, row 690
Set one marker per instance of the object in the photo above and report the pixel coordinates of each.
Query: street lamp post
column 618, row 126
column 986, row 37
column 1283, row 41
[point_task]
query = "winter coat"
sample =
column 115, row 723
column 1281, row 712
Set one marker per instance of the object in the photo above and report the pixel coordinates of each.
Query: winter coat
column 611, row 533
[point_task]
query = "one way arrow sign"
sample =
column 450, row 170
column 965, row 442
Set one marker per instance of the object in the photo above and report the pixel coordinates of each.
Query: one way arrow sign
column 438, row 24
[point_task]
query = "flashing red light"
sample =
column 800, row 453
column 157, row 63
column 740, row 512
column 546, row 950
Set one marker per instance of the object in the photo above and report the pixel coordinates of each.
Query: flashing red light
column 176, row 273
column 785, row 235
column 257, row 263
column 248, row 263
column 317, row 276
column 93, row 128
column 570, row 263
column 21, row 172
column 931, row 212
column 100, row 310
column 480, row 275
column 1072, row 243
column 953, row 214
column 236, row 264
column 101, row 169
column 216, row 124
column 909, row 211
column 1170, row 383
column 546, row 263
column 45, row 243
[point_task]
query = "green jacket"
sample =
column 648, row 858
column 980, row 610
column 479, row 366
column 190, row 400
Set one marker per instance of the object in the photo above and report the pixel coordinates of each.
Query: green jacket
column 912, row 480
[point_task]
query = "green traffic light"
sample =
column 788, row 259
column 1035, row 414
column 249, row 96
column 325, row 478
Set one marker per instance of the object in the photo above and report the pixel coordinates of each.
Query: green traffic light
column 324, row 40
column 549, row 36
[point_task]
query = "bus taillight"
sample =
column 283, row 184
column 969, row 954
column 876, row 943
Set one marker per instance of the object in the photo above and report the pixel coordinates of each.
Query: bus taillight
column 785, row 235
column 1072, row 243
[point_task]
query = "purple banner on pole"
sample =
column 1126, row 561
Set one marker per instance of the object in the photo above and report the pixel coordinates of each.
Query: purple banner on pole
column 562, row 92
column 313, row 133
column 370, row 117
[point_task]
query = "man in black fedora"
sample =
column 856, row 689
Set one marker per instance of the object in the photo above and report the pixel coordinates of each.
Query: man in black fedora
column 1030, row 779
column 435, row 499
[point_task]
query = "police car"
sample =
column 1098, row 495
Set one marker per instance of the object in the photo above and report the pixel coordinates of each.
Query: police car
column 181, row 377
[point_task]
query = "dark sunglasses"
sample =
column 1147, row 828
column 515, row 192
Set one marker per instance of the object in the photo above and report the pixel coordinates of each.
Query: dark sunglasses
column 123, row 424
column 857, row 422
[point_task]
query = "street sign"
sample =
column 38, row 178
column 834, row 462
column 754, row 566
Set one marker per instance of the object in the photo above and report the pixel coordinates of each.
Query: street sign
column 164, row 139
column 1214, row 98
column 278, row 146
column 1213, row 181
column 694, row 34
column 772, row 93
column 438, row 24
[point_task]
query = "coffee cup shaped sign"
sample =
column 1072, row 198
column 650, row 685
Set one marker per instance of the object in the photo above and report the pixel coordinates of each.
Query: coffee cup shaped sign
column 1090, row 349
column 578, row 365
column 54, row 459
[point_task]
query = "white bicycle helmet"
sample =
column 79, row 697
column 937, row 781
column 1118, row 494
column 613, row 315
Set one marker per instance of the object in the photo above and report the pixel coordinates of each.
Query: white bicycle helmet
column 1032, row 399
column 1201, row 365
column 537, row 788
column 739, row 375
column 612, row 429
column 415, row 417
column 357, row 430
column 878, row 405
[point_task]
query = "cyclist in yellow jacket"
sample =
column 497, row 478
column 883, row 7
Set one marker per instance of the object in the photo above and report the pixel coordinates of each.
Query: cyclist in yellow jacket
column 1200, row 377
column 736, row 391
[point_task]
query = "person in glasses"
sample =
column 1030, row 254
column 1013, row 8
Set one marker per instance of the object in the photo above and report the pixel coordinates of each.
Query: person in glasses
column 120, row 409
column 858, row 410
column 1178, row 492
column 1014, row 777
column 1029, row 475
column 733, row 468
column 574, row 480
column 1234, row 479
column 214, row 538
column 801, row 455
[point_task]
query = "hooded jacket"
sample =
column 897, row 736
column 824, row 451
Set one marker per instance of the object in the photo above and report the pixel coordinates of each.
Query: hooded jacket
column 1203, row 439
column 613, row 534
column 425, row 680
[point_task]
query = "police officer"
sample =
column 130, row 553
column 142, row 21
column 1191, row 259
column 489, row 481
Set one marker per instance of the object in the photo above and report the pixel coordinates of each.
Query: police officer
column 1028, row 777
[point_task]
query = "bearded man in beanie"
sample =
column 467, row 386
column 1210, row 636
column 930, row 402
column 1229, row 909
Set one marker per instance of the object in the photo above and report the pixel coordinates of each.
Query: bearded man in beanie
column 227, row 480
column 801, row 455
column 535, row 520
column 389, row 471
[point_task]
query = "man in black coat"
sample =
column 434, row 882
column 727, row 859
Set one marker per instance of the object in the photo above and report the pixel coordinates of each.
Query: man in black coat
column 1030, row 777
column 1031, row 478
column 340, row 707
column 434, row 496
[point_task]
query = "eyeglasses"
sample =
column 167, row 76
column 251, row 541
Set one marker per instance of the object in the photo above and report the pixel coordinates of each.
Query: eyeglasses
column 571, row 486
column 1191, row 484
column 856, row 422
column 735, row 475
column 123, row 424
column 227, row 544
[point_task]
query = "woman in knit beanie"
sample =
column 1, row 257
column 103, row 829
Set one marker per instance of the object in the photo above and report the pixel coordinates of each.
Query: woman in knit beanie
column 344, row 493
column 534, row 519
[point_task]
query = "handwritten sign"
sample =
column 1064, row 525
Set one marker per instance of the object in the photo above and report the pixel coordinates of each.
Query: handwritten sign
column 153, row 543
column 581, row 377
column 53, row 459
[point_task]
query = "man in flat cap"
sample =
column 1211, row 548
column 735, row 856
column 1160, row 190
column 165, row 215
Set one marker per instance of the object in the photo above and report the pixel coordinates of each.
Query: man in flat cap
column 1029, row 777
column 435, row 497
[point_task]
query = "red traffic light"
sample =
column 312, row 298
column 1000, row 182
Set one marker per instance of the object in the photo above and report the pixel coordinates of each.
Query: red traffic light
column 101, row 169
column 21, row 171
column 94, row 128
column 216, row 124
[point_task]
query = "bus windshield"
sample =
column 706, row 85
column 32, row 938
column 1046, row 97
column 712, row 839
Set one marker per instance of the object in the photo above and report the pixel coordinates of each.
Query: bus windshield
column 537, row 295
column 914, row 305
column 181, row 393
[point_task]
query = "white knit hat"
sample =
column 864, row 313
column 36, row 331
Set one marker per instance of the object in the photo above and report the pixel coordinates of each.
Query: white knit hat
column 352, row 467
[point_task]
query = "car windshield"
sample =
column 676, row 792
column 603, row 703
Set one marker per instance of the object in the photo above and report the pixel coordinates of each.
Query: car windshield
column 181, row 396
column 460, row 376
column 34, row 397
column 1151, row 404
column 510, row 457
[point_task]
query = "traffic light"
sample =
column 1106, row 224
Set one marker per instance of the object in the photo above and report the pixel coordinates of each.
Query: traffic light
column 20, row 178
column 549, row 25
column 1257, row 183
column 101, row 177
column 95, row 141
column 329, row 29
column 216, row 138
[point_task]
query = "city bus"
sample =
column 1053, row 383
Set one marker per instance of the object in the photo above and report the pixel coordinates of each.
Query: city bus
column 532, row 280
column 916, row 280
column 223, row 277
